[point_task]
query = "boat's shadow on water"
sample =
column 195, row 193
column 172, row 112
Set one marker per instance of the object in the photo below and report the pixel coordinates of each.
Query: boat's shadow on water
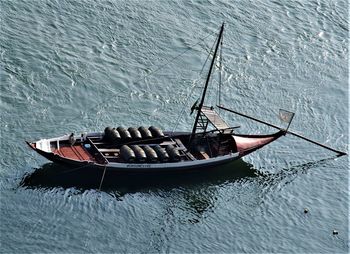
column 54, row 175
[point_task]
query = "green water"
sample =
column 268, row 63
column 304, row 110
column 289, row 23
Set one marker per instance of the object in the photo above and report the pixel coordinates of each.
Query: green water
column 73, row 66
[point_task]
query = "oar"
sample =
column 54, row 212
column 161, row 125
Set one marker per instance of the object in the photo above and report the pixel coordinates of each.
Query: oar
column 340, row 153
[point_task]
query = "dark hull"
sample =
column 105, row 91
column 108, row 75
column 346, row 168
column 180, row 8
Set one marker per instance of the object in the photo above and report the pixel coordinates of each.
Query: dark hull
column 136, row 168
column 90, row 171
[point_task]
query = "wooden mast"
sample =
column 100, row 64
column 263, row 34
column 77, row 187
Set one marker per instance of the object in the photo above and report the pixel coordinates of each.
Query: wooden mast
column 206, row 83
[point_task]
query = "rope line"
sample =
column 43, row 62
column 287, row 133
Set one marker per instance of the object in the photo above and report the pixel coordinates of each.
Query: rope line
column 103, row 176
column 113, row 93
column 193, row 87
column 174, row 58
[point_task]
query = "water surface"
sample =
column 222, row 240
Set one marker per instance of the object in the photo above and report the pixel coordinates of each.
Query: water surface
column 83, row 65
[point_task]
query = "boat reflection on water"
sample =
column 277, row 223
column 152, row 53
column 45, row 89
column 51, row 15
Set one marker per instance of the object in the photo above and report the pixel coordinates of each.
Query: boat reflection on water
column 189, row 197
column 54, row 175
column 193, row 193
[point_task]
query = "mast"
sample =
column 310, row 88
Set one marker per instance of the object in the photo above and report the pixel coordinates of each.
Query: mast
column 206, row 83
column 220, row 64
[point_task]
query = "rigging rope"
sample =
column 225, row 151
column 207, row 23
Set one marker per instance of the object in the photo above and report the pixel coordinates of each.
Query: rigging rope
column 103, row 177
column 194, row 86
column 113, row 93
column 174, row 58
column 100, row 106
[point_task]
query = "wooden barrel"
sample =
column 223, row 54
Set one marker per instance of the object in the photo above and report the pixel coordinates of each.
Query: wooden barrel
column 115, row 137
column 161, row 152
column 135, row 133
column 150, row 153
column 112, row 135
column 139, row 153
column 145, row 133
column 124, row 134
column 127, row 154
column 156, row 132
column 173, row 153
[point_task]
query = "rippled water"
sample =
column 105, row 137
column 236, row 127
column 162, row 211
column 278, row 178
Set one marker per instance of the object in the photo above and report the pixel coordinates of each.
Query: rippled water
column 82, row 65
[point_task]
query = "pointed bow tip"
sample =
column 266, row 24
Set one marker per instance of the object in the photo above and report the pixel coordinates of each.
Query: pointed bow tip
column 30, row 144
column 341, row 154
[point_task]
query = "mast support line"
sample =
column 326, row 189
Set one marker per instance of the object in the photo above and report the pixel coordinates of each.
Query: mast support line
column 206, row 83
column 340, row 153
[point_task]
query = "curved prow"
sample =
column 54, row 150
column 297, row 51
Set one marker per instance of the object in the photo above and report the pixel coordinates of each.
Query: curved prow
column 340, row 153
column 246, row 144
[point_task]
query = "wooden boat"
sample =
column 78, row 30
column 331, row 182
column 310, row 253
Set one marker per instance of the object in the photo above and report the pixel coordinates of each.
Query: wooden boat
column 146, row 150
column 173, row 152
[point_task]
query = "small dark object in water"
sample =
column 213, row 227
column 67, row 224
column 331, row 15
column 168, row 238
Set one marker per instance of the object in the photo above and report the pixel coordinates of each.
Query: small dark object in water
column 306, row 210
column 335, row 232
column 145, row 133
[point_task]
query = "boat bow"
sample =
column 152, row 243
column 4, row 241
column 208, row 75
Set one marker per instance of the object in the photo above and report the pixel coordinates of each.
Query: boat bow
column 246, row 144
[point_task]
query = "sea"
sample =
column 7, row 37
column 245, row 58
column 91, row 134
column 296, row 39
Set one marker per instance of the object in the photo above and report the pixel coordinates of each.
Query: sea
column 72, row 66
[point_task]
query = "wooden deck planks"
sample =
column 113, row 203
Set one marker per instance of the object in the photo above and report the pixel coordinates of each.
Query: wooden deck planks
column 76, row 152
column 214, row 118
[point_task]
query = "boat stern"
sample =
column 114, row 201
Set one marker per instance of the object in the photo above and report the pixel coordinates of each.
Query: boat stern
column 42, row 145
column 63, row 149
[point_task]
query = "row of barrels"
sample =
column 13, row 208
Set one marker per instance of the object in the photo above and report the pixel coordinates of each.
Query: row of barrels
column 152, row 154
column 116, row 135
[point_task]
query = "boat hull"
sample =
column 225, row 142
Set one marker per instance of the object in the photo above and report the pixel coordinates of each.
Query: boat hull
column 140, row 167
column 244, row 144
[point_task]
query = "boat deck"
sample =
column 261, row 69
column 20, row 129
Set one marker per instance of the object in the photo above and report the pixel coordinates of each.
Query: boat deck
column 97, row 149
column 75, row 152
column 111, row 153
